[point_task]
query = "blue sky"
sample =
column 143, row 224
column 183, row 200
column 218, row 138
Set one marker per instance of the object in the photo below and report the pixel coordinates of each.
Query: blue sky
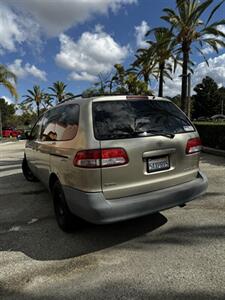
column 75, row 40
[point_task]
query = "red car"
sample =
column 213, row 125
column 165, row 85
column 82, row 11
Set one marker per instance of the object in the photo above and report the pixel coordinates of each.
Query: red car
column 10, row 132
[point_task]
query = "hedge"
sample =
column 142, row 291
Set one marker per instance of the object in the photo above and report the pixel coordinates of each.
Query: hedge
column 212, row 135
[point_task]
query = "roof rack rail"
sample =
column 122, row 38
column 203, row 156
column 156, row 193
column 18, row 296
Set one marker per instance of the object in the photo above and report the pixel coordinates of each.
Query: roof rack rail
column 96, row 95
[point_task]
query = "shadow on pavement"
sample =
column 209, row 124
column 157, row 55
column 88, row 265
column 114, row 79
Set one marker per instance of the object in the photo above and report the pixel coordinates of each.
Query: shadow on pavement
column 10, row 163
column 184, row 236
column 212, row 159
column 117, row 290
column 27, row 225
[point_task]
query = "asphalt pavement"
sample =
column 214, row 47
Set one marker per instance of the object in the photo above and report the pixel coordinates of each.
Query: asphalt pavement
column 175, row 254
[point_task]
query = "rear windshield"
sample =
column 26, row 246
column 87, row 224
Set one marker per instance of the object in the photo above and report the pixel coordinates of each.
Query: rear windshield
column 137, row 118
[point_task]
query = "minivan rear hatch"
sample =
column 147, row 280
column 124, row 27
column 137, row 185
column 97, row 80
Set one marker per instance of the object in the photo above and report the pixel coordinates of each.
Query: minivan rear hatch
column 153, row 135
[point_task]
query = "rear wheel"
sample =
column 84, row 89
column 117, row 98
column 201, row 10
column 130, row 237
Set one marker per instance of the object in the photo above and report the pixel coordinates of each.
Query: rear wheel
column 27, row 171
column 65, row 219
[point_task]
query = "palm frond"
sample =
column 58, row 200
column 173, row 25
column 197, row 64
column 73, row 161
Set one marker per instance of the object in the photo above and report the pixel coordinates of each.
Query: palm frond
column 214, row 11
column 11, row 88
column 203, row 55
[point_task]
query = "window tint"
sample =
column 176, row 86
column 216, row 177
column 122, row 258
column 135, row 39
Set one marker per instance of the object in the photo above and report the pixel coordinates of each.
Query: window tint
column 61, row 123
column 127, row 119
column 36, row 129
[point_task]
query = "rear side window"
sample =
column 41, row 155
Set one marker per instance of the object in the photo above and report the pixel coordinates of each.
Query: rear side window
column 60, row 123
column 127, row 119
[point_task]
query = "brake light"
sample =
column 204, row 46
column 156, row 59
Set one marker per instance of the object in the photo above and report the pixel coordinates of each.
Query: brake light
column 193, row 146
column 101, row 158
column 137, row 97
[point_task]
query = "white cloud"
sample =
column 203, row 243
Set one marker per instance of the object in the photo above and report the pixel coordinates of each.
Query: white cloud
column 215, row 70
column 25, row 21
column 92, row 54
column 15, row 30
column 55, row 18
column 22, row 71
column 83, row 76
column 140, row 32
column 207, row 49
column 173, row 87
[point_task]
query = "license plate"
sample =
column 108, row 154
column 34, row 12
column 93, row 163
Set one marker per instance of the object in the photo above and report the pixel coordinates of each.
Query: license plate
column 158, row 164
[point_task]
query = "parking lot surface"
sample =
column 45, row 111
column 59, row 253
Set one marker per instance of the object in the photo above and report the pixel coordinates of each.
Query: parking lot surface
column 175, row 254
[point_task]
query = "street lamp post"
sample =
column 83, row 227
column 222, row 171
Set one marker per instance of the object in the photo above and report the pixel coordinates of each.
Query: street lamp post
column 189, row 96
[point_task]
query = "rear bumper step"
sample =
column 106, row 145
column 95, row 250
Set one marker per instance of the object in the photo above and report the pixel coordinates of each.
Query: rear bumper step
column 94, row 208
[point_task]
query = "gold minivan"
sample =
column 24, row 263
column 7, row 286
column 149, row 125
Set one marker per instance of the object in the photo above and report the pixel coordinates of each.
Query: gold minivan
column 112, row 158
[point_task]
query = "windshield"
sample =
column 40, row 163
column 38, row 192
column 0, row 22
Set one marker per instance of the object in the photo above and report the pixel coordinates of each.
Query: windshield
column 127, row 119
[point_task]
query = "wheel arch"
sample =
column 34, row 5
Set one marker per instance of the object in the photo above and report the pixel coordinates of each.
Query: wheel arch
column 52, row 180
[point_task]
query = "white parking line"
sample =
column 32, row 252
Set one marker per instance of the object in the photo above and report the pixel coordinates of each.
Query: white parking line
column 8, row 166
column 14, row 228
column 9, row 173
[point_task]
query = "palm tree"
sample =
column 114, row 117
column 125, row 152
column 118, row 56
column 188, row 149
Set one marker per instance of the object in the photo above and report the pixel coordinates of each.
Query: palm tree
column 144, row 66
column 59, row 91
column 8, row 79
column 154, row 60
column 35, row 96
column 161, row 48
column 188, row 28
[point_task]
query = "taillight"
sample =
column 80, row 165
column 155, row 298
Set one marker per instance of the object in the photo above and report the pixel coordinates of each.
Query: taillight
column 100, row 158
column 193, row 146
column 137, row 97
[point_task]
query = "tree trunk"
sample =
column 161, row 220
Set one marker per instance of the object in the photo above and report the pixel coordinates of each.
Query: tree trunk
column 161, row 70
column 146, row 79
column 185, row 49
column 38, row 109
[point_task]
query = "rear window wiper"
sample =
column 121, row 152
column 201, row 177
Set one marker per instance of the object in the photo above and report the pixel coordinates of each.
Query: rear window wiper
column 154, row 133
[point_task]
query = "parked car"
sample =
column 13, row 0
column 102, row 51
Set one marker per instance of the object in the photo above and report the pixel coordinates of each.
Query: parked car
column 202, row 119
column 113, row 158
column 10, row 132
column 218, row 117
column 24, row 135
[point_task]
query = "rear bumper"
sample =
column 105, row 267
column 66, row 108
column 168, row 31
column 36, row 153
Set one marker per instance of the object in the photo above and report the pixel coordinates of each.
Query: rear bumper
column 94, row 208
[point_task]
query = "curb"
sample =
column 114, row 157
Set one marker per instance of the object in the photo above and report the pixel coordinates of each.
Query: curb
column 6, row 143
column 213, row 151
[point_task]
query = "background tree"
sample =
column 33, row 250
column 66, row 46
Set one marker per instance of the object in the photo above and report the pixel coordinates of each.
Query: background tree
column 176, row 99
column 59, row 91
column 127, row 82
column 7, row 112
column 27, row 116
column 104, row 85
column 206, row 102
column 144, row 66
column 135, row 86
column 118, row 80
column 35, row 96
column 188, row 29
column 221, row 96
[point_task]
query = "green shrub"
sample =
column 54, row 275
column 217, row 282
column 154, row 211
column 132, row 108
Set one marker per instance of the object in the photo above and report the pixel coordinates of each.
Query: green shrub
column 212, row 134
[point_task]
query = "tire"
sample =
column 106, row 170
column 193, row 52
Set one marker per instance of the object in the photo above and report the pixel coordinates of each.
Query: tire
column 27, row 172
column 65, row 219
